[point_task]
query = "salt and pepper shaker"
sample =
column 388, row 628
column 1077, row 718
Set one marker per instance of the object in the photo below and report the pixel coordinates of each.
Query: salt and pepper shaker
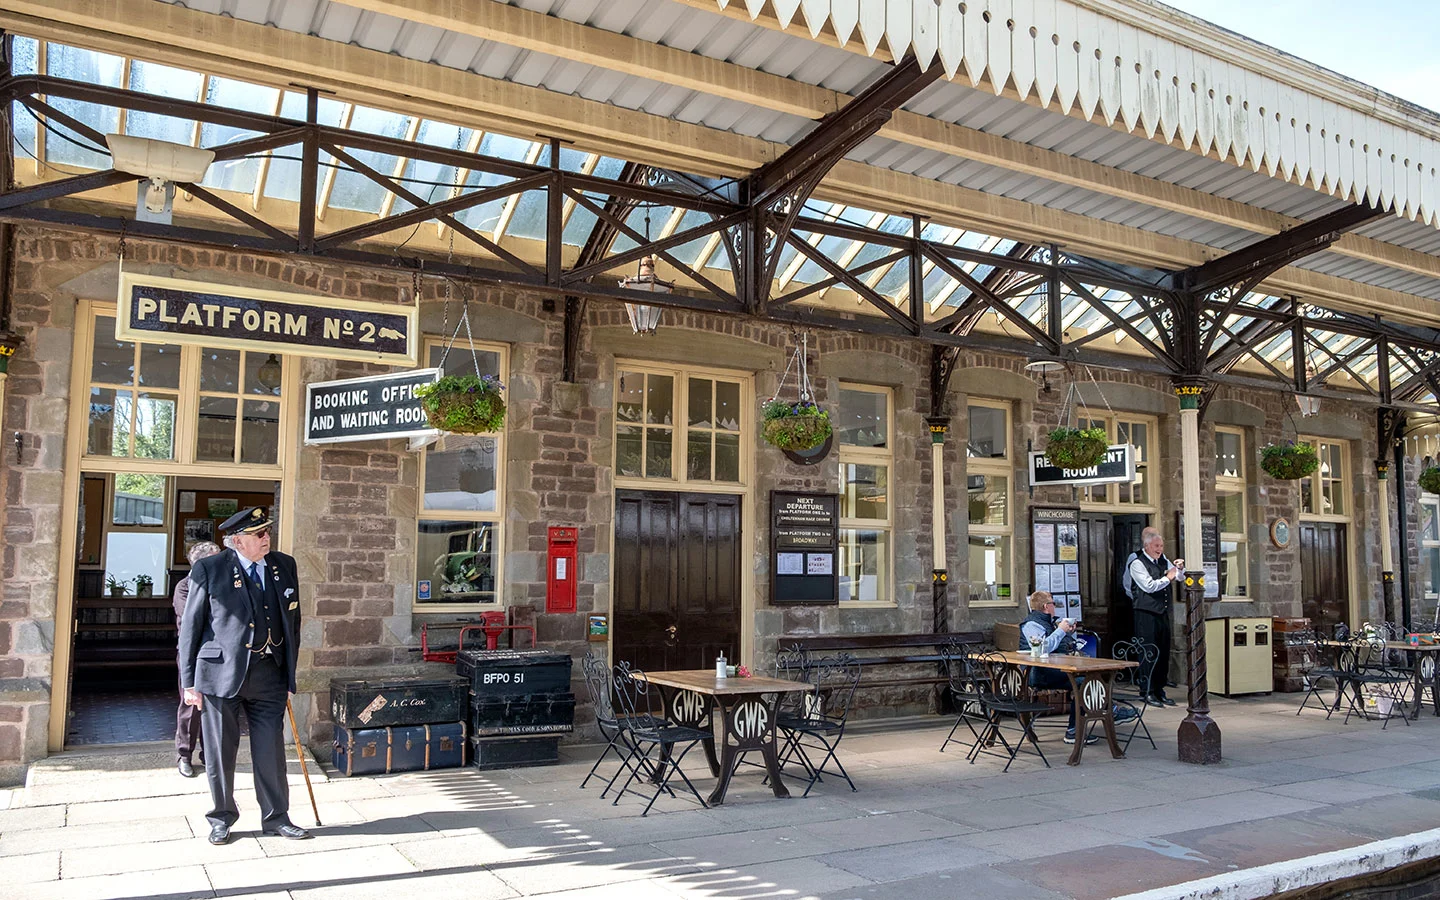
column 720, row 666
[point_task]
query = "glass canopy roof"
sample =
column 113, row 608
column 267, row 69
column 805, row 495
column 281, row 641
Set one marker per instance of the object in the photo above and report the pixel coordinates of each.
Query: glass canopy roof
column 518, row 222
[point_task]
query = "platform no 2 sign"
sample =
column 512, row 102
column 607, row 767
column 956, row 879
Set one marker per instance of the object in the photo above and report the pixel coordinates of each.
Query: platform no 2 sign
column 377, row 407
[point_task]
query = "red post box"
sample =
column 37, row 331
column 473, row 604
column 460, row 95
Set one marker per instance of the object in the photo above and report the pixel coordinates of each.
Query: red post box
column 561, row 575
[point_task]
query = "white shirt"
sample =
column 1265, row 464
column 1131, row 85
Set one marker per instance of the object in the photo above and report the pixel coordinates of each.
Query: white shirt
column 259, row 564
column 1140, row 575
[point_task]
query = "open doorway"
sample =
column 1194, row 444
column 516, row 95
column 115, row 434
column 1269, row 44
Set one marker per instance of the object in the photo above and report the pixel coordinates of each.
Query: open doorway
column 135, row 530
column 1106, row 541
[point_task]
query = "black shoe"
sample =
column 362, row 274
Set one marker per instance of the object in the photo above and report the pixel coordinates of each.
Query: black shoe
column 293, row 832
column 185, row 768
column 1167, row 701
column 219, row 834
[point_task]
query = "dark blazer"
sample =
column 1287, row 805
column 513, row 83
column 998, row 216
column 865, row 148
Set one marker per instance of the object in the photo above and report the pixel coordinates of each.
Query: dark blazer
column 218, row 624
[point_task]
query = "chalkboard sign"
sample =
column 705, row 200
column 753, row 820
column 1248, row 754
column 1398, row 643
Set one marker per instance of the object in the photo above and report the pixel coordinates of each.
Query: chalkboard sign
column 1209, row 551
column 804, row 544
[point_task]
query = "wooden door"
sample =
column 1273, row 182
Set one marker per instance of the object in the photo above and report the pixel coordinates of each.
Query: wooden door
column 1324, row 575
column 677, row 579
column 1125, row 539
column 1096, row 573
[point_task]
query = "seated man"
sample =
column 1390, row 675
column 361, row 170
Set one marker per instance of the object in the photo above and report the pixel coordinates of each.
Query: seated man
column 1055, row 637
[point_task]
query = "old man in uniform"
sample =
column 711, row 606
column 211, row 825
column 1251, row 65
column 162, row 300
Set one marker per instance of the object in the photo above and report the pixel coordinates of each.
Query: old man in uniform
column 238, row 642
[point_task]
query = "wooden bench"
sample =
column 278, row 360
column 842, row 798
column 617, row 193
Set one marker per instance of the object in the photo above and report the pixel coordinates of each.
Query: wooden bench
column 873, row 650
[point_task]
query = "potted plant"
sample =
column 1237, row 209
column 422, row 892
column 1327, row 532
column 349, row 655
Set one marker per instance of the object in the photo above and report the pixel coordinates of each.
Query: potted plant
column 795, row 426
column 1289, row 460
column 1430, row 480
column 116, row 586
column 1076, row 448
column 143, row 585
column 464, row 404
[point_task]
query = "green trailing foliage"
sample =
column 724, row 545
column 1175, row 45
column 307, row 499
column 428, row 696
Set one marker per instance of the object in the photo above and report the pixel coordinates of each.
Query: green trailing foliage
column 795, row 426
column 1289, row 460
column 464, row 404
column 1430, row 480
column 1076, row 448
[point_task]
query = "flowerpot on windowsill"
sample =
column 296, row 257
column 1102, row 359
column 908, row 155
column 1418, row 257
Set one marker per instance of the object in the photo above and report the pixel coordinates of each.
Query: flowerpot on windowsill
column 117, row 592
column 143, row 590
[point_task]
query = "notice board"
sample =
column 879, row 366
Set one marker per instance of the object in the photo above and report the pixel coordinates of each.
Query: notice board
column 804, row 546
column 1055, row 545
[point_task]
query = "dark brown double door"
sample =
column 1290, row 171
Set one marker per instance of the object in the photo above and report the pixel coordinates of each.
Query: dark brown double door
column 677, row 579
column 1324, row 576
column 1106, row 541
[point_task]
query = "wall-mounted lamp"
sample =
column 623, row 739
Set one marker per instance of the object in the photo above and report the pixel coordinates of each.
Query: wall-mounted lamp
column 162, row 164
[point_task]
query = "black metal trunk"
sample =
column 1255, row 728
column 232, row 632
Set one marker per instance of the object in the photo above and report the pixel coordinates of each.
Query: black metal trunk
column 538, row 714
column 514, row 673
column 506, row 753
column 417, row 700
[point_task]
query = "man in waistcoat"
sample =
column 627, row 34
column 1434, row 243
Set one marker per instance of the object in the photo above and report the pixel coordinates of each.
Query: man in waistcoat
column 238, row 643
column 1150, row 577
column 187, row 717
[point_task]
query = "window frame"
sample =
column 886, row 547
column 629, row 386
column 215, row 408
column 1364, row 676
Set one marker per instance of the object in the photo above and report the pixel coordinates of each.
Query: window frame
column 1229, row 484
column 1112, row 502
column 680, row 429
column 992, row 465
column 1317, row 481
column 495, row 518
column 187, row 410
column 1427, row 588
column 853, row 454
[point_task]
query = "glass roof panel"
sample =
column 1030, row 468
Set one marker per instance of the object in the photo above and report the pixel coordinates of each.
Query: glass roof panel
column 659, row 215
column 688, row 252
column 92, row 68
column 26, row 58
column 353, row 190
column 530, row 216
column 430, row 180
column 234, row 174
column 164, row 81
column 282, row 179
column 936, row 280
column 895, row 278
column 830, row 247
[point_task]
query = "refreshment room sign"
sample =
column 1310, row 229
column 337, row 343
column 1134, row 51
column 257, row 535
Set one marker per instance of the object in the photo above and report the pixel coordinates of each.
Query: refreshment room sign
column 175, row 311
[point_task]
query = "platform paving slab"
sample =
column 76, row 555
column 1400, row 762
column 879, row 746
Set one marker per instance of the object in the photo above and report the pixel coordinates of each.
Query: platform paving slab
column 120, row 823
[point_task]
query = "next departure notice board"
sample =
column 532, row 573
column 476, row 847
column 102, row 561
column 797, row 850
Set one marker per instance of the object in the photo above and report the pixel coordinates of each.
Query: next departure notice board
column 804, row 546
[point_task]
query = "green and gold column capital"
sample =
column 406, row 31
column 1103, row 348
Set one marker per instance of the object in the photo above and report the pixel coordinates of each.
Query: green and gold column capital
column 1189, row 394
column 938, row 428
column 9, row 343
column 1382, row 469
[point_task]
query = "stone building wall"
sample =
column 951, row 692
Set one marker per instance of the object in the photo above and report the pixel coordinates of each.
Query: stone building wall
column 353, row 516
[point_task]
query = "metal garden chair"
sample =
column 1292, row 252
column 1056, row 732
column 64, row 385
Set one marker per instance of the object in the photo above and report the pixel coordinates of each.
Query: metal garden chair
column 659, row 746
column 1131, row 687
column 818, row 725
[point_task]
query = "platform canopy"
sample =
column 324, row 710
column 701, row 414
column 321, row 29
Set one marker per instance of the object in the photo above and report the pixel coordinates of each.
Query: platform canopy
column 1051, row 177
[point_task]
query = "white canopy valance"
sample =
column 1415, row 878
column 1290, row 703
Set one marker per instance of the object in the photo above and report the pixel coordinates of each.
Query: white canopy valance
column 1167, row 74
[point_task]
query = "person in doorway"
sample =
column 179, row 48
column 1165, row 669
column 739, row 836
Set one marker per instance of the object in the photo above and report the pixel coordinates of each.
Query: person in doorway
column 187, row 717
column 1149, row 577
column 1055, row 636
column 238, row 643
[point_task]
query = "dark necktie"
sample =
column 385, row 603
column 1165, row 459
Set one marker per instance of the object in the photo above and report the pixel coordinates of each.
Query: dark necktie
column 255, row 576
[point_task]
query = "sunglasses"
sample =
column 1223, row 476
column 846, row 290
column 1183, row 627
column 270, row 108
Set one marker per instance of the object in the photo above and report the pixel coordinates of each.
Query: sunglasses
column 262, row 533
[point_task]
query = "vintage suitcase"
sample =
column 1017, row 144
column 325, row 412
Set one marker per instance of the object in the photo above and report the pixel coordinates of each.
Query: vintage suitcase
column 531, row 714
column 513, row 752
column 511, row 673
column 399, row 748
column 397, row 701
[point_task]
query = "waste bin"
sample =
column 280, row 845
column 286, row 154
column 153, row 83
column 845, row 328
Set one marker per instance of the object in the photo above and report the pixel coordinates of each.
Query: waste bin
column 1238, row 652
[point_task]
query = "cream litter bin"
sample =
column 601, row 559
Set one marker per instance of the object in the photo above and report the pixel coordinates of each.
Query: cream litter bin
column 1239, row 653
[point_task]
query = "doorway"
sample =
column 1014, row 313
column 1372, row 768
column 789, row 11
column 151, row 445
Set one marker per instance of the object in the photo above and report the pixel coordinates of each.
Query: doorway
column 677, row 579
column 1106, row 541
column 1324, row 578
column 133, row 535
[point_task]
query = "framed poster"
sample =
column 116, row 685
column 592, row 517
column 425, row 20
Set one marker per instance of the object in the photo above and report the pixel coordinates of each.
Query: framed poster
column 222, row 507
column 1055, row 549
column 197, row 530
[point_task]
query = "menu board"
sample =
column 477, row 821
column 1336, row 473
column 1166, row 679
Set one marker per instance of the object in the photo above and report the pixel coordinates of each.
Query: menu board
column 1055, row 543
column 1209, row 551
column 804, row 541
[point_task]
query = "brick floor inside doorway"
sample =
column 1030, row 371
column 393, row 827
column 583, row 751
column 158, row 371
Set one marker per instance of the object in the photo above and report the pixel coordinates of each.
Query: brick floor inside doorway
column 121, row 717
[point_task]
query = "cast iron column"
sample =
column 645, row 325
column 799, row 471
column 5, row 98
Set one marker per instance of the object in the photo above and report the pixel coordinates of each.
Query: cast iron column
column 1199, row 736
column 940, row 574
column 1387, row 559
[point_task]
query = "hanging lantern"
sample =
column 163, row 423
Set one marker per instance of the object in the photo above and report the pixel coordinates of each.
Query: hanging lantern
column 644, row 318
column 269, row 374
column 1309, row 406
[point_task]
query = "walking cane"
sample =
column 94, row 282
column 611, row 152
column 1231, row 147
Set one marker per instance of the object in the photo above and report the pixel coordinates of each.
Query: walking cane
column 300, row 752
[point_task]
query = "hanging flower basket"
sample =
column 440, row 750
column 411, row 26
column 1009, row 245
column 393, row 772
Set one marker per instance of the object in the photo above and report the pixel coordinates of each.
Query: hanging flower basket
column 1076, row 448
column 1289, row 460
column 464, row 404
column 1430, row 480
column 795, row 426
